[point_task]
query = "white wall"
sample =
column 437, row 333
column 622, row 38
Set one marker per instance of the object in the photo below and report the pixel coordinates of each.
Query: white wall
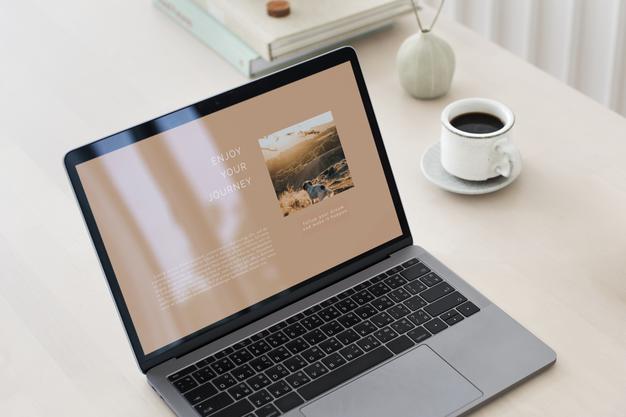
column 582, row 42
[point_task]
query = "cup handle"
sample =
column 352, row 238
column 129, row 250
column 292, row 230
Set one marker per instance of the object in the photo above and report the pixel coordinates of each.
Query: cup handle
column 508, row 160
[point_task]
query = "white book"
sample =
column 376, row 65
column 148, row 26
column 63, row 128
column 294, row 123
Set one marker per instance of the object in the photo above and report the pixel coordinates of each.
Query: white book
column 212, row 33
column 309, row 23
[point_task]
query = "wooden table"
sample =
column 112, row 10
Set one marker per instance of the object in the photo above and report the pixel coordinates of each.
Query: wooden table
column 550, row 249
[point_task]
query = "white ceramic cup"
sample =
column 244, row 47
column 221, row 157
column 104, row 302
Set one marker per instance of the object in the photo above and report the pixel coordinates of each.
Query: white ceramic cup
column 478, row 156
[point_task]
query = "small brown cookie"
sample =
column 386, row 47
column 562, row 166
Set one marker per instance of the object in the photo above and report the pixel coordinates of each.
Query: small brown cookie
column 278, row 8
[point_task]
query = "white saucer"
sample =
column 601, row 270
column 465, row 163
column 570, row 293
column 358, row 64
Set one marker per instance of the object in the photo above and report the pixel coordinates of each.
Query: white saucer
column 435, row 173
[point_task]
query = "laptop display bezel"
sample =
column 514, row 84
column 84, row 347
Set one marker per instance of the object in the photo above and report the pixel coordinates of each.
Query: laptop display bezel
column 205, row 107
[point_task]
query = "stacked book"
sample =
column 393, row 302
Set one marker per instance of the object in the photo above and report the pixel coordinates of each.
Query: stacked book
column 244, row 34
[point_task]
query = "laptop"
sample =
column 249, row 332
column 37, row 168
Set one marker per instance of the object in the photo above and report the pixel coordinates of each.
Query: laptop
column 258, row 253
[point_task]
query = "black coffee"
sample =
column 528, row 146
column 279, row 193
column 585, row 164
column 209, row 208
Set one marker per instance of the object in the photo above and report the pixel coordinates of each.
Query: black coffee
column 477, row 123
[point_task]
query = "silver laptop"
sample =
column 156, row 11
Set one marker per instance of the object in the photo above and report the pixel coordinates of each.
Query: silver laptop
column 258, row 253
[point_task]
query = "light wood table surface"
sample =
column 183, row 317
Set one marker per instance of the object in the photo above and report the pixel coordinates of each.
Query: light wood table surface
column 550, row 249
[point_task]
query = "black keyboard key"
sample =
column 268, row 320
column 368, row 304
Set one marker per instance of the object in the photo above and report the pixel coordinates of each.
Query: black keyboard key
column 382, row 303
column 351, row 352
column 278, row 326
column 240, row 391
column 259, row 348
column 349, row 319
column 214, row 404
column 277, row 372
column 330, row 301
column 313, row 354
column 295, row 318
column 397, row 311
column 344, row 373
column 378, row 289
column 347, row 336
column 279, row 354
column 311, row 322
column 332, row 328
column 468, row 308
column 415, row 271
column 277, row 339
column 382, row 319
column 419, row 317
column 181, row 373
column 312, row 310
column 258, row 381
column 415, row 303
column 334, row 361
column 435, row 326
column 204, row 375
column 260, row 398
column 378, row 278
column 185, row 383
column 394, row 270
column 454, row 320
column 295, row 330
column 400, row 344
column 402, row 326
column 346, row 305
column 200, row 393
column 368, row 343
column 294, row 363
column 385, row 334
column 410, row 262
column 346, row 293
column 288, row 402
column 223, row 382
column 436, row 292
column 395, row 281
column 206, row 361
column 242, row 344
column 267, row 410
column 241, row 356
column 224, row 352
column 260, row 335
column 431, row 279
column 222, row 365
column 297, row 380
column 444, row 304
column 365, row 311
column 445, row 316
column 261, row 363
column 415, row 287
column 316, row 370
column 329, row 313
column 239, row 409
column 314, row 337
column 419, row 334
column 365, row 328
column 362, row 286
column 399, row 295
column 279, row 389
column 362, row 297
column 243, row 372
column 297, row 346
column 331, row 345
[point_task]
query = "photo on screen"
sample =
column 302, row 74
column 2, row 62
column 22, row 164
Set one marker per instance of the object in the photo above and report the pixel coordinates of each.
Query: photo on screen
column 306, row 163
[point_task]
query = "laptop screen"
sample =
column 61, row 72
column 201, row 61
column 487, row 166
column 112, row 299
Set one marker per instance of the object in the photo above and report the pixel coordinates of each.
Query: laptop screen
column 213, row 216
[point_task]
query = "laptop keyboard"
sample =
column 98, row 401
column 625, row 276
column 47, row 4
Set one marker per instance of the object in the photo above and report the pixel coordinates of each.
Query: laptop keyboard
column 320, row 348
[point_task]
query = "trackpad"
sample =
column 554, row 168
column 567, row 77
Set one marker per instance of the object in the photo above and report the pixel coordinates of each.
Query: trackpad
column 418, row 383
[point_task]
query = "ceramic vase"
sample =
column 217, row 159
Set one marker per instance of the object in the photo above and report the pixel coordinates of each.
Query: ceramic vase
column 425, row 65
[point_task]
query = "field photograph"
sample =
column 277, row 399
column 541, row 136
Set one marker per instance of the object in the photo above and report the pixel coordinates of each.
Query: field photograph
column 306, row 163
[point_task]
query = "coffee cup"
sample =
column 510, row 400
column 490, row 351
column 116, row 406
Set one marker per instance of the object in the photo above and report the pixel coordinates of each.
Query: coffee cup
column 476, row 140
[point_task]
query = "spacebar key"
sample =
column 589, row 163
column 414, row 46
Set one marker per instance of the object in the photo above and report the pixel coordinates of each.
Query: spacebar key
column 344, row 373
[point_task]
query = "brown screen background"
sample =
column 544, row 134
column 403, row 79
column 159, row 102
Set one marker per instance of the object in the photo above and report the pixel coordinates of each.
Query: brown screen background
column 150, row 201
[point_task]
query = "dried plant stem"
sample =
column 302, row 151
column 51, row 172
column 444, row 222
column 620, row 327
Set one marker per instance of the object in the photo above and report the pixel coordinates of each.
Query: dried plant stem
column 419, row 22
